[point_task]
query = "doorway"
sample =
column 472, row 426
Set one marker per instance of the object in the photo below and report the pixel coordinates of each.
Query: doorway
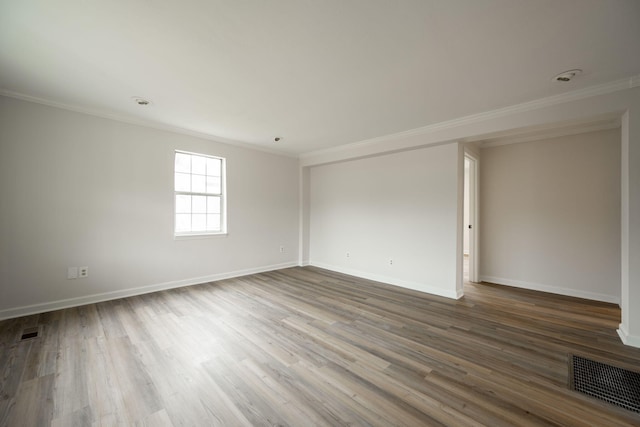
column 470, row 230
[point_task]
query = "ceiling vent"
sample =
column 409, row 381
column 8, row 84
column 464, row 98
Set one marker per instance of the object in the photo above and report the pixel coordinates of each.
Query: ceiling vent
column 566, row 76
column 141, row 101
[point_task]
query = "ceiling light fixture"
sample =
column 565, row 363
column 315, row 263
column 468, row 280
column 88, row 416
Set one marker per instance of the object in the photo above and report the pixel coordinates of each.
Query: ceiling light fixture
column 566, row 76
column 141, row 101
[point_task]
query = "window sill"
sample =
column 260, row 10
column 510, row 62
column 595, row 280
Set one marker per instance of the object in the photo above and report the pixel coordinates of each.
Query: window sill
column 199, row 236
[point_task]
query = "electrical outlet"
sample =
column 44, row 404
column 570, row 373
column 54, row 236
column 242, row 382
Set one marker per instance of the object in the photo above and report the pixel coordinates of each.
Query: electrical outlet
column 348, row 255
column 83, row 272
column 390, row 262
column 281, row 249
column 72, row 273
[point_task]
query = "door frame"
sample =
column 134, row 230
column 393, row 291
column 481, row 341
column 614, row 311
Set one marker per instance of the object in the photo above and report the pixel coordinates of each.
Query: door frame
column 473, row 215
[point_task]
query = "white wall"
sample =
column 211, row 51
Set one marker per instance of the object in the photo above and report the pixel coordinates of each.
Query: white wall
column 77, row 190
column 629, row 329
column 619, row 99
column 16, row 278
column 400, row 206
column 550, row 215
column 466, row 213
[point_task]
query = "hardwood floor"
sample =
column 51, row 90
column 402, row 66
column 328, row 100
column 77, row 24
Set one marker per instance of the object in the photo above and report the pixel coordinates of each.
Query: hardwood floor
column 306, row 346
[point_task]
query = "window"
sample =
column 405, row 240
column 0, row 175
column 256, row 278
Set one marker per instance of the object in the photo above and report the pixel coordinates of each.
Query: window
column 199, row 186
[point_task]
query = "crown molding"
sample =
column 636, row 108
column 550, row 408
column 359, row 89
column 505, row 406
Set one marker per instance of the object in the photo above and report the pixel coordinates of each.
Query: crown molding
column 124, row 118
column 601, row 89
column 588, row 92
column 548, row 134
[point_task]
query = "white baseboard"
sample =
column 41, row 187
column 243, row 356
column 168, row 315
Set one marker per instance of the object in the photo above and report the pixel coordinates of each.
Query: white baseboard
column 552, row 289
column 630, row 340
column 107, row 296
column 416, row 286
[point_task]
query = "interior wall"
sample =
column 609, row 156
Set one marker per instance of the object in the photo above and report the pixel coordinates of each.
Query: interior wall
column 79, row 190
column 467, row 220
column 391, row 218
column 550, row 215
column 629, row 329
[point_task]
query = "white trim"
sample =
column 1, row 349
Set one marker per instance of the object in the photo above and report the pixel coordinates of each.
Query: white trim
column 125, row 118
column 107, row 296
column 199, row 236
column 222, row 195
column 460, row 206
column 552, row 289
column 303, row 216
column 416, row 286
column 601, row 89
column 554, row 133
column 630, row 340
column 474, row 216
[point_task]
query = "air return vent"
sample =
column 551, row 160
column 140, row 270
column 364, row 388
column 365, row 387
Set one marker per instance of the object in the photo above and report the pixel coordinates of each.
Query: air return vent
column 29, row 333
column 615, row 385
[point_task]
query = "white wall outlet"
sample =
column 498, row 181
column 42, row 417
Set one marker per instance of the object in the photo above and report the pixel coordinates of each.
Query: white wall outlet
column 390, row 262
column 83, row 272
column 281, row 249
column 72, row 272
column 348, row 254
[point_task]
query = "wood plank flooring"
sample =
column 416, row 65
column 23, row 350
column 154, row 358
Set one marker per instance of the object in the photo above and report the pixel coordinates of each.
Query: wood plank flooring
column 305, row 346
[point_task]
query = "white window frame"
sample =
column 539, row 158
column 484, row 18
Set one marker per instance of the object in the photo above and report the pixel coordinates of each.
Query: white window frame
column 222, row 195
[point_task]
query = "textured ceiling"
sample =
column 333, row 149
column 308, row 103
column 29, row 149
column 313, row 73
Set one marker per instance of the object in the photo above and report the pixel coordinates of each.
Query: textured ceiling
column 316, row 73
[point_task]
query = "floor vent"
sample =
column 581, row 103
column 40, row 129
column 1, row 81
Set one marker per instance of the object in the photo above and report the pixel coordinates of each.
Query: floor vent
column 29, row 333
column 615, row 385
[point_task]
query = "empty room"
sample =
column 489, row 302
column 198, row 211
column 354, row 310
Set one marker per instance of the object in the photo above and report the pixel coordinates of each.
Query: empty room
column 320, row 213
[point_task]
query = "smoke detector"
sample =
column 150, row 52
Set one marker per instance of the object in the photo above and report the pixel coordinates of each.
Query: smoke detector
column 566, row 76
column 141, row 101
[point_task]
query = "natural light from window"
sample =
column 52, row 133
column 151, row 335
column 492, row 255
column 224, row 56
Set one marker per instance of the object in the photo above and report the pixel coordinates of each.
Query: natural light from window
column 199, row 186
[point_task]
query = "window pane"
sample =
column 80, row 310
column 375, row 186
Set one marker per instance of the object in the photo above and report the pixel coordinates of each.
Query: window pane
column 213, row 204
column 183, row 222
column 213, row 222
column 183, row 162
column 198, row 165
column 198, row 222
column 199, row 204
column 213, row 167
column 213, row 184
column 183, row 204
column 183, row 182
column 198, row 200
column 198, row 183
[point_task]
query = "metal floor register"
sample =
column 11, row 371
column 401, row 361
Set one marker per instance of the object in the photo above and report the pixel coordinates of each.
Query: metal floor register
column 615, row 385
